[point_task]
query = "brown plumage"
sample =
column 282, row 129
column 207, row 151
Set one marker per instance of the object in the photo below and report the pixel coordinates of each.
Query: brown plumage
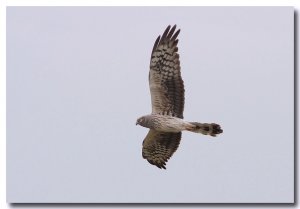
column 166, row 84
column 167, row 97
column 158, row 151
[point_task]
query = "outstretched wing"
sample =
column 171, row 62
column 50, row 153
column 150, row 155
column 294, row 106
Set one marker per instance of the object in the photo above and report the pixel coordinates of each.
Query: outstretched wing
column 158, row 147
column 166, row 85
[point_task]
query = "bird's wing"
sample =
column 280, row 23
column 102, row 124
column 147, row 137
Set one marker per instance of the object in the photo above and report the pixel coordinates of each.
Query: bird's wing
column 158, row 147
column 166, row 84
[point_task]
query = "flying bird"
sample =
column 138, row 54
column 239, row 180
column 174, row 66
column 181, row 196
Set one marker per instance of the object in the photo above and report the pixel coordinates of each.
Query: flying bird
column 167, row 97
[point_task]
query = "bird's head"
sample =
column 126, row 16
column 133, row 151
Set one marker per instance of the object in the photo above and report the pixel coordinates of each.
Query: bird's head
column 141, row 121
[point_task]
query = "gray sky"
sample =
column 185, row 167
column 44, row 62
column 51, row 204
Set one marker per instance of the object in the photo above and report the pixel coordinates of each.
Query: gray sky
column 77, row 79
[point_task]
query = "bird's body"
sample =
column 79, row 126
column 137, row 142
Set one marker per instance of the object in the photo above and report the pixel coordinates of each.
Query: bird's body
column 167, row 96
column 164, row 123
column 170, row 124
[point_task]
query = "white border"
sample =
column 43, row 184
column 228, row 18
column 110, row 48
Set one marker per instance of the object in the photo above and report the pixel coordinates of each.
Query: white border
column 2, row 106
column 151, row 3
column 3, row 204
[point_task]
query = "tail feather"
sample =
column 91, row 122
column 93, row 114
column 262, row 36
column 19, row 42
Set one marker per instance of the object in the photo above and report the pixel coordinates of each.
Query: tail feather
column 211, row 129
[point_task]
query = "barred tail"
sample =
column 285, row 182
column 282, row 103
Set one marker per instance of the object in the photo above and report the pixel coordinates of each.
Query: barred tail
column 211, row 129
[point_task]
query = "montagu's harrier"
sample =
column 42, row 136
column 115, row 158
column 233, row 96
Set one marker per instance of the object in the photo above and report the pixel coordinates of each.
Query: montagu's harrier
column 167, row 97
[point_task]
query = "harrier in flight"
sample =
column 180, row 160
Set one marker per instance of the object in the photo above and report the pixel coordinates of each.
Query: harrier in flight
column 167, row 97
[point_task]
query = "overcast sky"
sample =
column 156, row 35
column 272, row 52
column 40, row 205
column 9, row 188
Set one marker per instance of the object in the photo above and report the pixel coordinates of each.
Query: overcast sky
column 77, row 79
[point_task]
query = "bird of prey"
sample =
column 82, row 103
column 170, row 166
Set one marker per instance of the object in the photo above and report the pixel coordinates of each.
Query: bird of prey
column 167, row 97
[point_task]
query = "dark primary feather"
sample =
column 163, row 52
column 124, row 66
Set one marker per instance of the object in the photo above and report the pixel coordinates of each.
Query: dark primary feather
column 158, row 147
column 166, row 84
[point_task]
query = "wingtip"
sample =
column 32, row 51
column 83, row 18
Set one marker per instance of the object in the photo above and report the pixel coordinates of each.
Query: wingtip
column 173, row 27
column 168, row 28
column 161, row 167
